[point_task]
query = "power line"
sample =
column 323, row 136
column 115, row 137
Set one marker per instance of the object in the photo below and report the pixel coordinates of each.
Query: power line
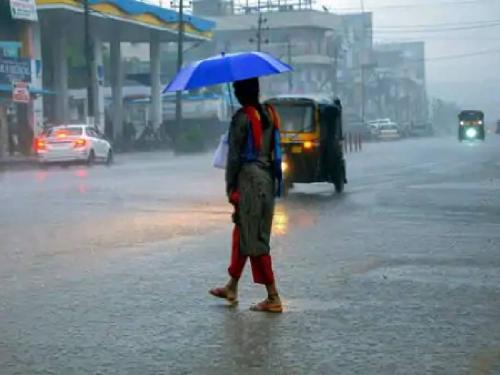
column 437, row 30
column 408, row 6
column 458, row 56
column 465, row 55
column 432, row 38
column 441, row 25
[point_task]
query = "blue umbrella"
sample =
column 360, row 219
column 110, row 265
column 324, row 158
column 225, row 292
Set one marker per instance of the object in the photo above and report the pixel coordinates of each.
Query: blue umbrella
column 226, row 68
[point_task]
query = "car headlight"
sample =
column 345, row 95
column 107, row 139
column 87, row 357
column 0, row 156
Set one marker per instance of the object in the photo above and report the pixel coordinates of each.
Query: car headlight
column 471, row 133
column 462, row 123
column 480, row 122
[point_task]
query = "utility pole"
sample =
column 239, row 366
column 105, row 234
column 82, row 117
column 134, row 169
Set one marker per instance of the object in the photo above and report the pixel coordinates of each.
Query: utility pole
column 363, row 110
column 259, row 31
column 335, row 83
column 89, row 63
column 180, row 53
column 259, row 37
column 289, row 53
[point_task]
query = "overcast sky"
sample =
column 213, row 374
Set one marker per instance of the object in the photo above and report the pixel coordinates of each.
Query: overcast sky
column 473, row 81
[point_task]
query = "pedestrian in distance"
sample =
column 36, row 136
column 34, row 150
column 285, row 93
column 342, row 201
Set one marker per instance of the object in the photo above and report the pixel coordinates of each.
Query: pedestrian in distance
column 253, row 179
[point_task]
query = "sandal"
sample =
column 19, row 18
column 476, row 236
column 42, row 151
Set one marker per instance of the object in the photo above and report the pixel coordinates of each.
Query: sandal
column 268, row 306
column 223, row 293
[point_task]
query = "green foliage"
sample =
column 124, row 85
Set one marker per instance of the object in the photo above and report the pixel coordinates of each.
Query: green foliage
column 190, row 140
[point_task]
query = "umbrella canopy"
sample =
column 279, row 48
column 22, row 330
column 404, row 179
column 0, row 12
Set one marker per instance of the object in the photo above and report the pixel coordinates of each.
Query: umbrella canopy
column 226, row 68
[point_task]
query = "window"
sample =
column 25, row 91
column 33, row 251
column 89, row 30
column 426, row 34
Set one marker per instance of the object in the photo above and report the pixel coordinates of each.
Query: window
column 65, row 131
column 296, row 118
column 91, row 132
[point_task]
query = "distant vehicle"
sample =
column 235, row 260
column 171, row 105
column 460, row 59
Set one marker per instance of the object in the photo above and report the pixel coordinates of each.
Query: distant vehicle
column 389, row 131
column 423, row 129
column 312, row 137
column 498, row 127
column 384, row 129
column 471, row 125
column 71, row 143
column 373, row 128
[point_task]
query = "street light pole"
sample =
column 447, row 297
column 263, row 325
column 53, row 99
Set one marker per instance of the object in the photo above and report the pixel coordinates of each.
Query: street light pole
column 289, row 53
column 89, row 63
column 335, row 82
column 363, row 110
column 180, row 53
column 259, row 32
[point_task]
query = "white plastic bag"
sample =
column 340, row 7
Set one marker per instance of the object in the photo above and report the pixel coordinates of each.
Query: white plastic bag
column 220, row 156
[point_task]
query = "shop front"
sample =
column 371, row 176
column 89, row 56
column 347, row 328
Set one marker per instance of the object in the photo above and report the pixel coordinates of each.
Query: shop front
column 15, row 98
column 21, row 107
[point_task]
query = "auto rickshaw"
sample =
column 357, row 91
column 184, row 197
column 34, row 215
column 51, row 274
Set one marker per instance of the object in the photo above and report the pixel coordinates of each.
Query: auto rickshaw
column 471, row 126
column 311, row 131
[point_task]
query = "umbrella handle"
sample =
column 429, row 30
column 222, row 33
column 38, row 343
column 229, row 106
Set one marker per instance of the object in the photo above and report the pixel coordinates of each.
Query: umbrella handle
column 231, row 103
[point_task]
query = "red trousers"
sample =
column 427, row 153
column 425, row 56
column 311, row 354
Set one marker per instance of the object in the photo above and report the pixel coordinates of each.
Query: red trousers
column 262, row 268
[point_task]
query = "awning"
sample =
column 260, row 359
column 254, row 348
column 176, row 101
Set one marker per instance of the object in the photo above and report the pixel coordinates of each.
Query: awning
column 135, row 19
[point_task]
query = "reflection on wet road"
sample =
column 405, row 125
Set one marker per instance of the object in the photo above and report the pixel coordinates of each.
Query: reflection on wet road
column 106, row 270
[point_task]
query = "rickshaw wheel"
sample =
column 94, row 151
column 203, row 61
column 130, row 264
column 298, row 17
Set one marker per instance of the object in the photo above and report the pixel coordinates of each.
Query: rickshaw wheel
column 338, row 178
column 339, row 186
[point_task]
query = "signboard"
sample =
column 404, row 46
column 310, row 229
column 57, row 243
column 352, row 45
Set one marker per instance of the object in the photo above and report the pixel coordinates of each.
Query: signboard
column 10, row 49
column 20, row 92
column 23, row 10
column 12, row 70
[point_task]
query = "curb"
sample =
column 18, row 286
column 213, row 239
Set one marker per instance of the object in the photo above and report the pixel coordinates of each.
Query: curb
column 22, row 164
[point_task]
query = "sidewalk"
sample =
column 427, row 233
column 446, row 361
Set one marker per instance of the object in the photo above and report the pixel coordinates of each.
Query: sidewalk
column 17, row 162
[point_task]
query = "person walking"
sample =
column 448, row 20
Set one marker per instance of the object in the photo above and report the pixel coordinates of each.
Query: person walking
column 253, row 179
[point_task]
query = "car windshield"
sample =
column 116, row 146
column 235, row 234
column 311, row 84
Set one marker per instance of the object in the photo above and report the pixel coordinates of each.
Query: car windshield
column 296, row 118
column 471, row 116
column 388, row 127
column 72, row 131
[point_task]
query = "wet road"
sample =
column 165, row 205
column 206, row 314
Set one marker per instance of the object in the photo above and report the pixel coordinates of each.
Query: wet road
column 106, row 270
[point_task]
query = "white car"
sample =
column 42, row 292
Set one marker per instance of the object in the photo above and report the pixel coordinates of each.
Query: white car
column 73, row 143
column 385, row 129
column 389, row 131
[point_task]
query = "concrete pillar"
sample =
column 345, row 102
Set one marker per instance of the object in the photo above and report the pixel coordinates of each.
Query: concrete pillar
column 117, row 88
column 60, row 76
column 36, row 105
column 3, row 132
column 98, row 83
column 155, row 67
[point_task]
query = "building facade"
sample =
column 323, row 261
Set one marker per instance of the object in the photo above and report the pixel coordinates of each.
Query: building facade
column 356, row 64
column 21, row 107
column 398, row 87
column 306, row 38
